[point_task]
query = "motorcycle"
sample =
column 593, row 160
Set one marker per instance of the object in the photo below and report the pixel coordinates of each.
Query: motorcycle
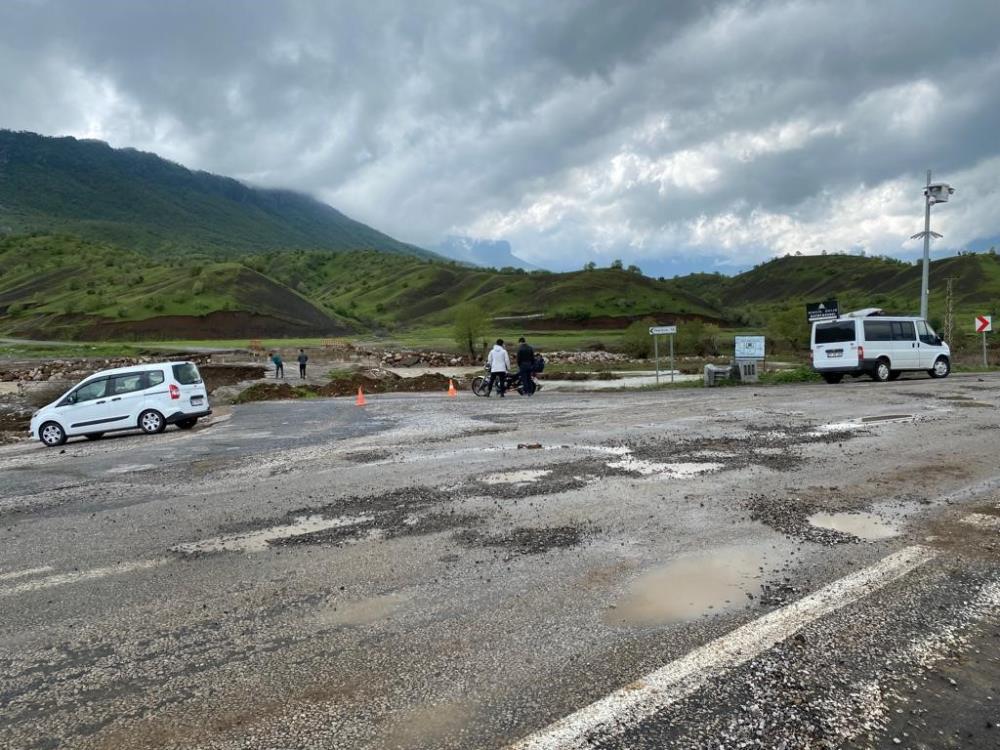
column 512, row 382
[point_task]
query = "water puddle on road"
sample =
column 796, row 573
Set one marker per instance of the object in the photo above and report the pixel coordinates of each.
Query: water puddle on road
column 866, row 526
column 362, row 611
column 516, row 477
column 438, row 725
column 679, row 470
column 691, row 586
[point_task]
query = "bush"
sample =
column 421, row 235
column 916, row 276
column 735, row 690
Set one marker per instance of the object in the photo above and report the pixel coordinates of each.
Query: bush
column 636, row 341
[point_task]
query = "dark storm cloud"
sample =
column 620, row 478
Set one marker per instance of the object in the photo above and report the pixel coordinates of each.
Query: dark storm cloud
column 639, row 129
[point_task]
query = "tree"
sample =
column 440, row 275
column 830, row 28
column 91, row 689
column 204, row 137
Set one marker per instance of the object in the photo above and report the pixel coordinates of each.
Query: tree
column 471, row 325
column 634, row 269
column 636, row 340
column 589, row 266
column 617, row 264
column 789, row 328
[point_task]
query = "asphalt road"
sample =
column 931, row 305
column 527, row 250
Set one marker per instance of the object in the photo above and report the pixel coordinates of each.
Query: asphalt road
column 800, row 566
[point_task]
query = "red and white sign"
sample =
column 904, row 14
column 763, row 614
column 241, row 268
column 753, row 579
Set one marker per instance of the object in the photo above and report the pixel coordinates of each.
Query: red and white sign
column 984, row 324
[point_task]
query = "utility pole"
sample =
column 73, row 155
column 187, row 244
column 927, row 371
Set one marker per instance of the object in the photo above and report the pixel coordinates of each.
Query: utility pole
column 925, row 279
column 936, row 193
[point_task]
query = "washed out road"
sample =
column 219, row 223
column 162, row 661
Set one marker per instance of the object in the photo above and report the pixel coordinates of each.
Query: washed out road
column 795, row 566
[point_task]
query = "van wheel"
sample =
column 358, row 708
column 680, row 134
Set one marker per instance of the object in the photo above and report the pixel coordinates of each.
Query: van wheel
column 52, row 434
column 881, row 373
column 941, row 368
column 833, row 378
column 894, row 374
column 151, row 422
column 187, row 424
column 94, row 435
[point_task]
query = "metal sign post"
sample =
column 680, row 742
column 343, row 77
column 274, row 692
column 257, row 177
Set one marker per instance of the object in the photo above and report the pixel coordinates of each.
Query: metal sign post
column 655, row 332
column 984, row 324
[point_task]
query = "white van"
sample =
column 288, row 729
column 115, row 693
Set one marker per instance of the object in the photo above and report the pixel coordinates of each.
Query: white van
column 883, row 347
column 145, row 397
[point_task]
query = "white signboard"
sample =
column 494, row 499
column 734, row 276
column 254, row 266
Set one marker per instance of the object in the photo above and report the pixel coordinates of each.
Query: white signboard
column 657, row 330
column 984, row 323
column 749, row 347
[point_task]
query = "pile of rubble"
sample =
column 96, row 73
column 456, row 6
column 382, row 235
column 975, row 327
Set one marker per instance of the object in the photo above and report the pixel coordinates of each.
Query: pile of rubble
column 76, row 369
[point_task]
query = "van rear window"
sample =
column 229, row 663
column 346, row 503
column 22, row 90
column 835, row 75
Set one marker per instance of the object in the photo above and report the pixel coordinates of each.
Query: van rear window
column 835, row 333
column 186, row 374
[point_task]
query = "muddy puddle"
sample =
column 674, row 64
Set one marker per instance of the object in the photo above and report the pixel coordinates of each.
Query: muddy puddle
column 692, row 586
column 866, row 526
column 361, row 611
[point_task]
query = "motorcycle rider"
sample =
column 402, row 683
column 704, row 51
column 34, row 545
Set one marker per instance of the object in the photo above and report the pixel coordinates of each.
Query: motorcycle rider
column 499, row 364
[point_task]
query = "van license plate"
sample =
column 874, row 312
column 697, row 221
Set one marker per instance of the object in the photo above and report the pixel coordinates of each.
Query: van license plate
column 197, row 400
column 834, row 353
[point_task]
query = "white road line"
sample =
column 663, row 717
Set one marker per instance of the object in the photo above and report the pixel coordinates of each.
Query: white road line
column 628, row 706
column 23, row 573
column 81, row 575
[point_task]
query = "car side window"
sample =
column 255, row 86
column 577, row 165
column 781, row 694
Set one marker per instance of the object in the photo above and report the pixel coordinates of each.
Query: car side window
column 926, row 333
column 127, row 383
column 92, row 390
column 902, row 330
column 155, row 377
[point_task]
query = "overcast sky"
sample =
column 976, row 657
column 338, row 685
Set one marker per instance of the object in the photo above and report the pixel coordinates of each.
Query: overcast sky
column 674, row 134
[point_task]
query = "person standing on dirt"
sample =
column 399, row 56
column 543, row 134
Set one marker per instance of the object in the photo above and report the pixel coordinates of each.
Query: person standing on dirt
column 525, row 366
column 499, row 364
column 303, row 358
column 279, row 366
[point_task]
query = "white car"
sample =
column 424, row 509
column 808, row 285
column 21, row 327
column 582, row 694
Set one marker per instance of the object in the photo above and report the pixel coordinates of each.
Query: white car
column 867, row 342
column 145, row 397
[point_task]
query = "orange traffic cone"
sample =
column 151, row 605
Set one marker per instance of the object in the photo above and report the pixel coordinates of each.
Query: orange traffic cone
column 451, row 388
column 360, row 401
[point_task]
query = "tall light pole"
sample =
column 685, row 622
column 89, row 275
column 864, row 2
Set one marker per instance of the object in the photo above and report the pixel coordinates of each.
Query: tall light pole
column 933, row 193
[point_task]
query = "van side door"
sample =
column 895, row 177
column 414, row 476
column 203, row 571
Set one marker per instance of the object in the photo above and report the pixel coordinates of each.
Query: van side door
column 929, row 345
column 85, row 409
column 906, row 345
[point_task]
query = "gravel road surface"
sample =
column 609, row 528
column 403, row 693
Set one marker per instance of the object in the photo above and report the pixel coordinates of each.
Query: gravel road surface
column 782, row 567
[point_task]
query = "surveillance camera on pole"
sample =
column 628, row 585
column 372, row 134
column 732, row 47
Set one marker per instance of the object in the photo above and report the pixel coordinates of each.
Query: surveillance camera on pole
column 939, row 192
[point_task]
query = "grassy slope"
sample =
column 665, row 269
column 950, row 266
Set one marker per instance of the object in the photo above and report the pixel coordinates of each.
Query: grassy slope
column 143, row 202
column 53, row 276
column 405, row 290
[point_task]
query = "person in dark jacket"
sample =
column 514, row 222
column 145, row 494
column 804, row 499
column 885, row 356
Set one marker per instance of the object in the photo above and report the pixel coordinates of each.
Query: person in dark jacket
column 303, row 358
column 279, row 365
column 525, row 366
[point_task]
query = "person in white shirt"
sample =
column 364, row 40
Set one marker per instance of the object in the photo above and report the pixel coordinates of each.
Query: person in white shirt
column 499, row 362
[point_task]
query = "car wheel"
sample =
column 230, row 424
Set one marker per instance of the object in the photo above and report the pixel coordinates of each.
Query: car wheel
column 51, row 434
column 94, row 435
column 882, row 371
column 151, row 422
column 480, row 386
column 833, row 378
column 941, row 368
column 894, row 374
column 187, row 424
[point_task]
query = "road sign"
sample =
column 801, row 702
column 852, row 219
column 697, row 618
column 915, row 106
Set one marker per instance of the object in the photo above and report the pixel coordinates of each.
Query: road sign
column 984, row 323
column 828, row 310
column 749, row 347
column 660, row 330
column 655, row 331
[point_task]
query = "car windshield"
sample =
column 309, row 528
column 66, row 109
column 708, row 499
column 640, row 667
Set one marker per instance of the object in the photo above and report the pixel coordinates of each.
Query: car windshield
column 186, row 374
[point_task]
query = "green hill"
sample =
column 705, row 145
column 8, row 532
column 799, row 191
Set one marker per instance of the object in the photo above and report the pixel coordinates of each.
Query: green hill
column 59, row 286
column 858, row 282
column 65, row 287
column 140, row 201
